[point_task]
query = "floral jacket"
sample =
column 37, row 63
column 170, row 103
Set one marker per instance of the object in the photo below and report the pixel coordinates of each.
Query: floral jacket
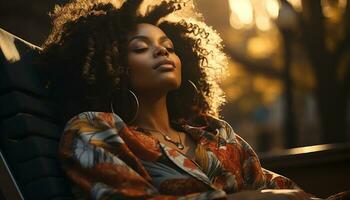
column 109, row 160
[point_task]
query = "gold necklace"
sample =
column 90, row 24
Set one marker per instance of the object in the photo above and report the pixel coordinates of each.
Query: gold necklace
column 167, row 138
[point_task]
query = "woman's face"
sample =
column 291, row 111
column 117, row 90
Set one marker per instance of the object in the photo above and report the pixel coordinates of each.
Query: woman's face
column 154, row 65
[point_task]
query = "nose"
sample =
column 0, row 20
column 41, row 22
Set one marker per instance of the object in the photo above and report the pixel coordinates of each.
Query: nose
column 161, row 51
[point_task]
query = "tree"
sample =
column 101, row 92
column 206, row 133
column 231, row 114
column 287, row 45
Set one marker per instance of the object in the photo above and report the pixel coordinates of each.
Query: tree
column 331, row 67
column 326, row 43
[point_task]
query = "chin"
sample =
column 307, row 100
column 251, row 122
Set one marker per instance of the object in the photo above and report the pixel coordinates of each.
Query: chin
column 170, row 84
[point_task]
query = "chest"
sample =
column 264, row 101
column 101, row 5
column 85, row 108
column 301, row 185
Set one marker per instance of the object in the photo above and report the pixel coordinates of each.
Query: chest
column 180, row 141
column 218, row 167
column 207, row 159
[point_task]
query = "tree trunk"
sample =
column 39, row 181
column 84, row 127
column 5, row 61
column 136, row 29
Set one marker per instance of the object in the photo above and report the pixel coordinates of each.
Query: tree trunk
column 330, row 97
column 290, row 130
column 332, row 107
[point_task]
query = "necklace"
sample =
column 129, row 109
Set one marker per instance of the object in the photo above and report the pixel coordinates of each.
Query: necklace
column 167, row 138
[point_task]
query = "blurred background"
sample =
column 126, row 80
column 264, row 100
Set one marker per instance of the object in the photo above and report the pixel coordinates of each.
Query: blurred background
column 289, row 83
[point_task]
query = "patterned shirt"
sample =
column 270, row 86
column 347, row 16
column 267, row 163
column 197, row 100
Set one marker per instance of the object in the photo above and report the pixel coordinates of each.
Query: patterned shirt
column 108, row 159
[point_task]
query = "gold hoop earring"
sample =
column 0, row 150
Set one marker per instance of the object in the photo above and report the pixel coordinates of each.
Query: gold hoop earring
column 192, row 90
column 119, row 98
column 194, row 86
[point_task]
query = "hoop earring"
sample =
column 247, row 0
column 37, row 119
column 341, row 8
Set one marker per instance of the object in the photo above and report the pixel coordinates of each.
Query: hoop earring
column 193, row 90
column 124, row 114
column 194, row 86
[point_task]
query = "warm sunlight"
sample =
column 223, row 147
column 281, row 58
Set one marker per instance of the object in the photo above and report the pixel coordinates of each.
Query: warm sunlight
column 272, row 8
column 263, row 23
column 245, row 12
column 333, row 10
column 296, row 5
column 242, row 10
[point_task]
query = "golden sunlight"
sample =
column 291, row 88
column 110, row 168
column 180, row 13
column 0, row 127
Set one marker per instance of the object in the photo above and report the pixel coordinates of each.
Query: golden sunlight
column 272, row 8
column 333, row 10
column 261, row 47
column 296, row 5
column 261, row 12
column 243, row 11
column 263, row 23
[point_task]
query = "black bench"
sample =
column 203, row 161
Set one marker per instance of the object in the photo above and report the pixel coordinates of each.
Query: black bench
column 322, row 170
column 30, row 128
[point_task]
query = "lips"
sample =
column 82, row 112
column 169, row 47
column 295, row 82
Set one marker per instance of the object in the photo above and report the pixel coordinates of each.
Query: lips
column 166, row 64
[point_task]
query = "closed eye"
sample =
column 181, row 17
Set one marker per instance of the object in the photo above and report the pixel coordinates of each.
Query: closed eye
column 140, row 50
column 170, row 49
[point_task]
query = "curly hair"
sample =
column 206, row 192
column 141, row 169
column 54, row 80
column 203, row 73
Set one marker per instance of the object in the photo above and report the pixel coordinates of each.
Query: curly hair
column 86, row 51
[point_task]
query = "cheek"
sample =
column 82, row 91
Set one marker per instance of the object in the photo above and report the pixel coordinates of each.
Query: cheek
column 177, row 61
column 136, row 62
column 134, row 65
column 139, row 69
column 178, row 65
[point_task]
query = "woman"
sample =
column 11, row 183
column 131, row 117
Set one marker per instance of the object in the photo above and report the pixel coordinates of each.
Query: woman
column 141, row 92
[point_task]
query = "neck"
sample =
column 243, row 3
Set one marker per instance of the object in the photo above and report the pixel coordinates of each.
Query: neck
column 153, row 113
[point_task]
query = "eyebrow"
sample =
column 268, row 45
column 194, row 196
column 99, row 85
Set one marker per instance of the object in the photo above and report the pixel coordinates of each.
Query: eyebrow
column 144, row 38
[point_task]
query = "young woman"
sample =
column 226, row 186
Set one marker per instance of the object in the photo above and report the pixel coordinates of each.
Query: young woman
column 140, row 87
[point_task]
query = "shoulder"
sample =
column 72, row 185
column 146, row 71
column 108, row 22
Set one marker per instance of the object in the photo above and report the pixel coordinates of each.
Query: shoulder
column 99, row 120
column 90, row 129
column 223, row 129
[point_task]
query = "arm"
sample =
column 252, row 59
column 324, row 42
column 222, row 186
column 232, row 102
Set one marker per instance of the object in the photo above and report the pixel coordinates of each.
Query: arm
column 276, row 181
column 96, row 158
column 259, row 177
column 258, row 183
column 269, row 185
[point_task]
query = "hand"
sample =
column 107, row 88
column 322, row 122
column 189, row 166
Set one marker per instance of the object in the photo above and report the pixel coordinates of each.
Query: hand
column 275, row 194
